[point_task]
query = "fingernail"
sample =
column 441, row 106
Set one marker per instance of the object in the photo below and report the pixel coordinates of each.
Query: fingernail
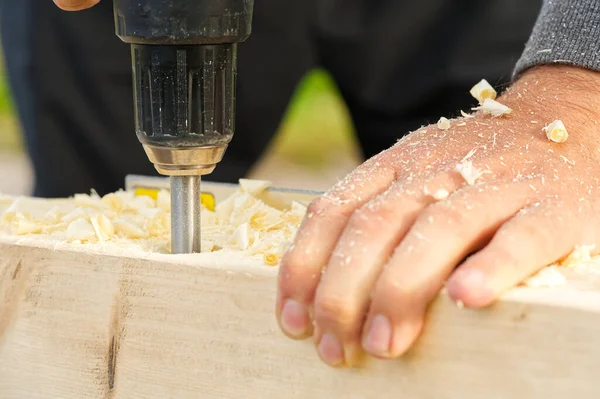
column 377, row 340
column 294, row 318
column 404, row 337
column 330, row 350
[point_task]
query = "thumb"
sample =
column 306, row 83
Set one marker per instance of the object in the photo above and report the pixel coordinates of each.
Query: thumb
column 75, row 5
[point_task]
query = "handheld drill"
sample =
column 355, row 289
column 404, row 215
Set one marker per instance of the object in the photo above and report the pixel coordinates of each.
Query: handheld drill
column 184, row 60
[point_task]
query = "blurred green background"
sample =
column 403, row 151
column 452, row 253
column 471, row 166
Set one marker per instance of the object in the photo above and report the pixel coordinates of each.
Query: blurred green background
column 10, row 139
column 316, row 122
column 317, row 127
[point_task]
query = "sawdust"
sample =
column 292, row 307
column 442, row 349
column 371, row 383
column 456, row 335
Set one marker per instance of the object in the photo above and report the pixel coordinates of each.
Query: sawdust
column 579, row 261
column 494, row 108
column 122, row 221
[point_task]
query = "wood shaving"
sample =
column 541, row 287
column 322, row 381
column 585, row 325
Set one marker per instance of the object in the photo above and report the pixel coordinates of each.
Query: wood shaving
column 483, row 91
column 241, row 223
column 440, row 194
column 470, row 173
column 556, row 132
column 548, row 277
column 80, row 230
column 580, row 260
column 254, row 187
column 271, row 259
column 579, row 255
column 494, row 108
column 443, row 124
column 103, row 227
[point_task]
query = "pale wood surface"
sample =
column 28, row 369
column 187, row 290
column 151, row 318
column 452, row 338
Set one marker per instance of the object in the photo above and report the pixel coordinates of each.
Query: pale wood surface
column 77, row 326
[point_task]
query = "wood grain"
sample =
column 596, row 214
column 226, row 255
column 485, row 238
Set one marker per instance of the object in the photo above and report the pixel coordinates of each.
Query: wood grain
column 75, row 325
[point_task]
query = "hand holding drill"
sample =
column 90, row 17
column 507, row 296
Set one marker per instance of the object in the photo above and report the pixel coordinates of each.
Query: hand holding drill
column 75, row 5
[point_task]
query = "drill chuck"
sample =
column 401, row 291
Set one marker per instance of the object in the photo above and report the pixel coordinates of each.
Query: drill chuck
column 184, row 59
column 181, row 22
column 184, row 105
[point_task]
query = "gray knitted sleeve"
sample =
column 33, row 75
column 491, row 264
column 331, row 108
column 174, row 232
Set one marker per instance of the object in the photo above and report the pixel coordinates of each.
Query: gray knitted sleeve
column 566, row 32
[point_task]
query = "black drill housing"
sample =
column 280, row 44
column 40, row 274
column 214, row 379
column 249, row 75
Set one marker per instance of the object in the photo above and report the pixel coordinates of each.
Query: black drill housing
column 184, row 58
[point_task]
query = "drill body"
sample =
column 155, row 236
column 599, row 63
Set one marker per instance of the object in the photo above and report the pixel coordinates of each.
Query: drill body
column 184, row 60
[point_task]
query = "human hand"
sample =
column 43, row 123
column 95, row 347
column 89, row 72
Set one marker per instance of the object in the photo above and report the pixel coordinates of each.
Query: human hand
column 378, row 247
column 75, row 5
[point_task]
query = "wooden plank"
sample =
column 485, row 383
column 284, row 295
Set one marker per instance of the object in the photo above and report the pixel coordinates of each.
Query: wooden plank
column 77, row 325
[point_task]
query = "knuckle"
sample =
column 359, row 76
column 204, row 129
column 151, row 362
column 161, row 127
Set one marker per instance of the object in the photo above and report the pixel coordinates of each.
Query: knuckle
column 395, row 289
column 337, row 310
column 444, row 215
column 291, row 259
column 294, row 275
column 395, row 298
column 329, row 207
column 377, row 214
column 318, row 206
column 501, row 258
column 295, row 287
column 539, row 233
column 365, row 219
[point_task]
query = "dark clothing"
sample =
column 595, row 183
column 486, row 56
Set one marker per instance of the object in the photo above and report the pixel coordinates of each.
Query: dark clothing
column 399, row 65
column 567, row 32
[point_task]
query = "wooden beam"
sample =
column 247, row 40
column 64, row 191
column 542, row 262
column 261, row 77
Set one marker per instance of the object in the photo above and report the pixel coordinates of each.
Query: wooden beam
column 77, row 325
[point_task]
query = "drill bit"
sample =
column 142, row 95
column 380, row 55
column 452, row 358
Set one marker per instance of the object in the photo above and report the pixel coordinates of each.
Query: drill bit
column 185, row 214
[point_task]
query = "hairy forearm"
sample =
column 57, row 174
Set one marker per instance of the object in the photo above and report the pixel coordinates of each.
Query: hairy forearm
column 566, row 32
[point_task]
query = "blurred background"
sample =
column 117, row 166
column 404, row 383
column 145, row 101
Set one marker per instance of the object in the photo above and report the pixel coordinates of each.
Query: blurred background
column 400, row 65
column 15, row 169
column 316, row 120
